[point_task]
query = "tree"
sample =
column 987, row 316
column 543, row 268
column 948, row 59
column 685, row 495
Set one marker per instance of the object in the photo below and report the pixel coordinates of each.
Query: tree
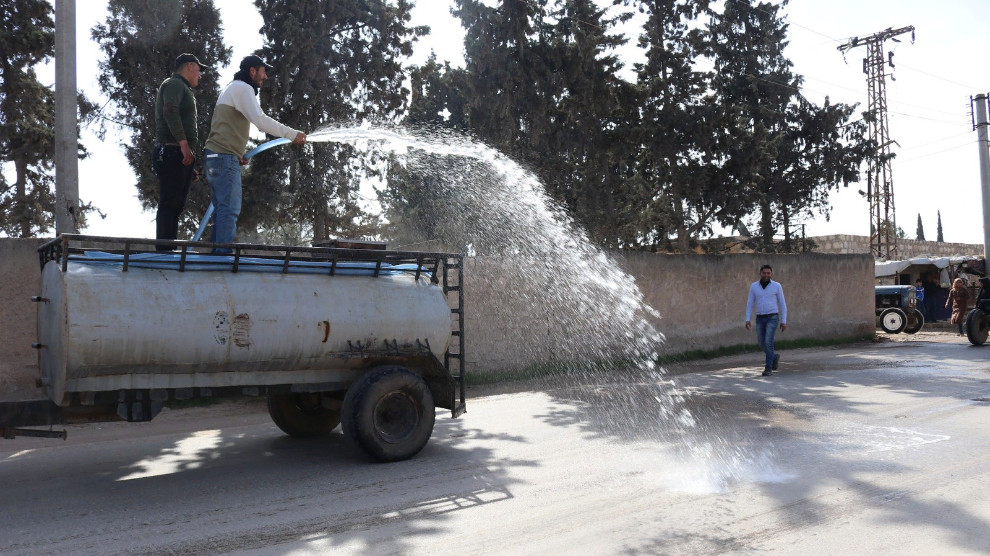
column 540, row 84
column 141, row 39
column 920, row 234
column 336, row 62
column 27, row 120
column 674, row 127
column 780, row 153
column 940, row 239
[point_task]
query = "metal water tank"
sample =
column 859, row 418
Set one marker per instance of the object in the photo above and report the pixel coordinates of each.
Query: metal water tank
column 104, row 329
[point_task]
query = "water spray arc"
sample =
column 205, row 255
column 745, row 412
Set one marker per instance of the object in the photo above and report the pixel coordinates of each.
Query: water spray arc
column 880, row 184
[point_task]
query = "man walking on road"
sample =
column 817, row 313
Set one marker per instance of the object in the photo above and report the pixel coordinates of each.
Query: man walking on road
column 176, row 136
column 237, row 108
column 766, row 298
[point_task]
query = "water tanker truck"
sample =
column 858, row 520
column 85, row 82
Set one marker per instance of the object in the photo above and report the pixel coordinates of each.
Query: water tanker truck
column 346, row 333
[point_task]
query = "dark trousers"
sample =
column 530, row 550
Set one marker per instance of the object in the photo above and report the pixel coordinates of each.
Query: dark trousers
column 174, row 180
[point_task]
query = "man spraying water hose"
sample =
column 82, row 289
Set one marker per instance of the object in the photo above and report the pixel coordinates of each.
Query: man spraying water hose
column 237, row 108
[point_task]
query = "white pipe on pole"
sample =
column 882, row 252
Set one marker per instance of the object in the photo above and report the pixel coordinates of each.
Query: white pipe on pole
column 981, row 131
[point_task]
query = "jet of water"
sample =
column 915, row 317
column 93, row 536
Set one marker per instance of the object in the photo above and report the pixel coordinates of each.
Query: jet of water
column 585, row 317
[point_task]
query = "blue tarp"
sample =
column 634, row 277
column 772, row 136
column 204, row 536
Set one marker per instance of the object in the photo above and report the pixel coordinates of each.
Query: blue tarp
column 201, row 262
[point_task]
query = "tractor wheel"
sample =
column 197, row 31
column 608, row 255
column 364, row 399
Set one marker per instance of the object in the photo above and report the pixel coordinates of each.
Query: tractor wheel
column 915, row 320
column 893, row 321
column 977, row 327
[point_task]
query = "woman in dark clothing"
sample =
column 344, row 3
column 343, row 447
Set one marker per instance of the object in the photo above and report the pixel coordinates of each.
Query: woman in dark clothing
column 959, row 298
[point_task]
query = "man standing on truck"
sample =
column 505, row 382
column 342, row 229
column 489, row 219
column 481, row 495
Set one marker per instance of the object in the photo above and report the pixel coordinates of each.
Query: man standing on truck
column 176, row 137
column 237, row 108
column 766, row 297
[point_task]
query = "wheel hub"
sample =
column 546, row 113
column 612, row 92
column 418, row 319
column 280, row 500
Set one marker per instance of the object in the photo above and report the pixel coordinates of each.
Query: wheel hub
column 396, row 416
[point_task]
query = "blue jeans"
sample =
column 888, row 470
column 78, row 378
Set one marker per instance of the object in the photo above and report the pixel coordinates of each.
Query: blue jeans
column 766, row 329
column 223, row 172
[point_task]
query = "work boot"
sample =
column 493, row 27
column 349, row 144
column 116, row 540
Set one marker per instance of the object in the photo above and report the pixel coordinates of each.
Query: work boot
column 767, row 372
column 776, row 361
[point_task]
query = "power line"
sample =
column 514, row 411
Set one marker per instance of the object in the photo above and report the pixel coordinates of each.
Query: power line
column 968, row 87
column 919, row 157
column 937, row 141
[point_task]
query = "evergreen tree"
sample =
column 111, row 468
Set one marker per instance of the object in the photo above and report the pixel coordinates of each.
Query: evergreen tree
column 819, row 149
column 940, row 239
column 540, row 84
column 141, row 39
column 27, row 120
column 751, row 88
column 920, row 234
column 437, row 100
column 779, row 152
column 674, row 131
column 336, row 62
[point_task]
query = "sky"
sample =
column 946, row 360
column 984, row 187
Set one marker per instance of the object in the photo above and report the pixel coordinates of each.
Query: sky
column 937, row 158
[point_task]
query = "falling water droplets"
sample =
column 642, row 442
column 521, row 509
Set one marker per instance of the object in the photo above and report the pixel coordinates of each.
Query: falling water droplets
column 585, row 316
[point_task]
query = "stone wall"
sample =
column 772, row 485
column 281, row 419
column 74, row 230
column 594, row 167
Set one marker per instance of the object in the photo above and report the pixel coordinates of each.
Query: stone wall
column 906, row 248
column 701, row 300
column 21, row 279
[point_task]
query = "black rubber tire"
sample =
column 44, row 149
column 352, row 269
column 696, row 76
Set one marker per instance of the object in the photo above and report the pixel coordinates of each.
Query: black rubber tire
column 893, row 320
column 302, row 415
column 388, row 413
column 915, row 320
column 977, row 327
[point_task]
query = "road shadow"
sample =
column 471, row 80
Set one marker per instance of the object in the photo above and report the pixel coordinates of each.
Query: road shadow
column 247, row 488
column 791, row 434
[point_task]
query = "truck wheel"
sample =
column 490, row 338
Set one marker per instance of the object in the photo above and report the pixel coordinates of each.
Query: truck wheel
column 389, row 413
column 893, row 320
column 915, row 320
column 977, row 327
column 302, row 415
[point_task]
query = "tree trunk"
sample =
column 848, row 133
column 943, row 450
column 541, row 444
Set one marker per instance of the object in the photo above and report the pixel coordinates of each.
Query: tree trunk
column 21, row 213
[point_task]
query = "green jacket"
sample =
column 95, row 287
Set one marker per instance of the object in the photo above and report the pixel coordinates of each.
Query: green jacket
column 175, row 112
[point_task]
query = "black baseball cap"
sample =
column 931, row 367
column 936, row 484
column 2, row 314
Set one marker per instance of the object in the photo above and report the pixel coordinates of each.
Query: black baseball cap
column 186, row 58
column 253, row 61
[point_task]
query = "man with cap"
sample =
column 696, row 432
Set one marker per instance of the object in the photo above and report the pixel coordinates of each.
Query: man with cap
column 237, row 108
column 176, row 136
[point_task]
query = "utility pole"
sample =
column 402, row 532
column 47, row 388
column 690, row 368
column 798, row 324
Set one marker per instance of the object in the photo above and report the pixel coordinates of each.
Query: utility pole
column 981, row 133
column 879, row 183
column 66, row 139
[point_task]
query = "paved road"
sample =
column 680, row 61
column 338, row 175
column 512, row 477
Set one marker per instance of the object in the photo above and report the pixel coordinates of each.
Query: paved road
column 853, row 450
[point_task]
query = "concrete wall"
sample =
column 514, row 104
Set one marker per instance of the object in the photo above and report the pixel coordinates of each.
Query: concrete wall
column 20, row 278
column 701, row 300
column 511, row 324
column 906, row 248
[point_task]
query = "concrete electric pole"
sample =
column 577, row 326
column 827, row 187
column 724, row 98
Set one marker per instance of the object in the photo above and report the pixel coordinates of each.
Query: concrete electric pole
column 981, row 133
column 66, row 140
column 879, row 184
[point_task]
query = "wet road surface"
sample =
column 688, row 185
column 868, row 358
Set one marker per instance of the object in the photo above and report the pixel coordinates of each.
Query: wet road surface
column 855, row 449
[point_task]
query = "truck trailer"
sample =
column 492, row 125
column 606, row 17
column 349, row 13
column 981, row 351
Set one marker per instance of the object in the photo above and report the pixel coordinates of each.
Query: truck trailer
column 346, row 333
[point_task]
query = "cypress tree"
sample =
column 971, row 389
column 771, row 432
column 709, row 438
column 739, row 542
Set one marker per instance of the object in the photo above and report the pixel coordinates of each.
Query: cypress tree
column 27, row 120
column 674, row 128
column 336, row 63
column 140, row 40
column 940, row 239
column 780, row 153
column 920, row 234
